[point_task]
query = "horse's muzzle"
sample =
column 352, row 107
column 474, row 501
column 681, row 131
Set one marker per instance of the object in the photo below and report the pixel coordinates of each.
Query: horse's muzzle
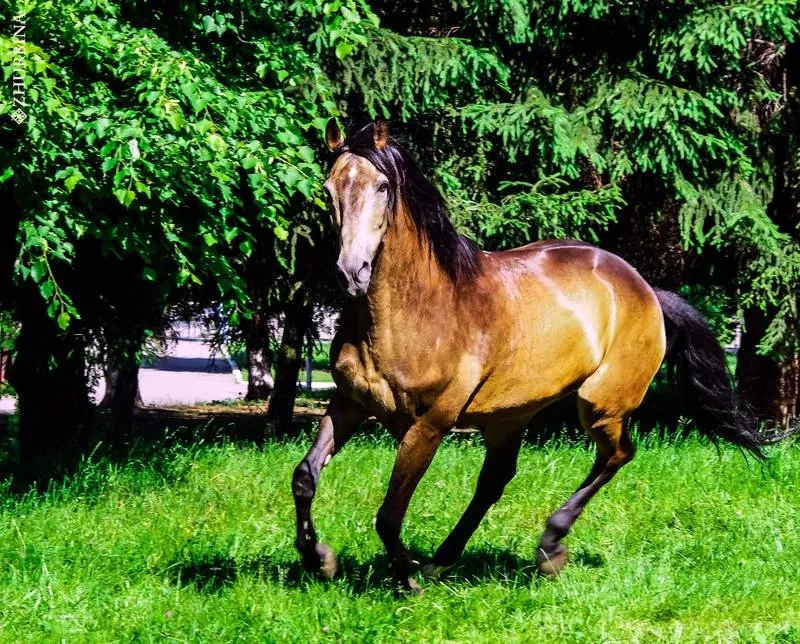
column 354, row 280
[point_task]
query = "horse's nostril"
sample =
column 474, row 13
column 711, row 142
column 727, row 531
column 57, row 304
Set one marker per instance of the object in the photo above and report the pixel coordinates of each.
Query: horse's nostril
column 341, row 274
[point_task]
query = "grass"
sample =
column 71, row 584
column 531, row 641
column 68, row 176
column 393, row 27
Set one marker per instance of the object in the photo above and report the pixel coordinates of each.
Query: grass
column 195, row 543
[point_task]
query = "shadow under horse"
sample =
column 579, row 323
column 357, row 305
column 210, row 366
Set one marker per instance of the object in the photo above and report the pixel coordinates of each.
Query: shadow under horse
column 438, row 333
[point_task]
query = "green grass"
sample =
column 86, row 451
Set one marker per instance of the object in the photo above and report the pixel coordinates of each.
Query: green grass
column 317, row 375
column 195, row 544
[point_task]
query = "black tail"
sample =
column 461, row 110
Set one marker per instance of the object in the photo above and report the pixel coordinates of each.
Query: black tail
column 696, row 363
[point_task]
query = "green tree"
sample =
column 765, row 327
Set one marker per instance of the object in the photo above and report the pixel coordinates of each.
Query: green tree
column 141, row 119
column 666, row 133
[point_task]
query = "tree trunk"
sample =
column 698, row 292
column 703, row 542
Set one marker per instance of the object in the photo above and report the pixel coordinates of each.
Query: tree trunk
column 126, row 395
column 5, row 361
column 309, row 359
column 287, row 367
column 259, row 359
column 770, row 387
column 122, row 386
column 49, row 376
column 112, row 383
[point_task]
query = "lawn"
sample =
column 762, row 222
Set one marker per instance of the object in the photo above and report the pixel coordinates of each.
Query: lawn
column 194, row 543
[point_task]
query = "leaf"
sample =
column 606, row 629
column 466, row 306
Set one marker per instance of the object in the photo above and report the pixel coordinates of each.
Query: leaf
column 38, row 271
column 175, row 119
column 203, row 125
column 125, row 196
column 133, row 148
column 216, row 142
column 47, row 289
column 306, row 153
column 63, row 320
column 149, row 274
column 101, row 127
column 72, row 180
column 343, row 50
column 291, row 176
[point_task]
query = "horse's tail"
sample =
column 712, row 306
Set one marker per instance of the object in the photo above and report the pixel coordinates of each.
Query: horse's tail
column 696, row 363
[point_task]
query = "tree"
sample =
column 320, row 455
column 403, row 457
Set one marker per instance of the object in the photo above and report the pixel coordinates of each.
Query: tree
column 651, row 128
column 180, row 145
column 141, row 118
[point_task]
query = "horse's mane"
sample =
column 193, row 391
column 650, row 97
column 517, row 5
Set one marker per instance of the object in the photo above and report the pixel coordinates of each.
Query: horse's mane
column 456, row 255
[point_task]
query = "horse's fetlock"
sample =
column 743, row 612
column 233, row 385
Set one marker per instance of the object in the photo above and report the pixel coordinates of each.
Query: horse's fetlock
column 559, row 524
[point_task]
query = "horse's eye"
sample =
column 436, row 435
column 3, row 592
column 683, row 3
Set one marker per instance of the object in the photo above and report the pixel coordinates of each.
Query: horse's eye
column 383, row 187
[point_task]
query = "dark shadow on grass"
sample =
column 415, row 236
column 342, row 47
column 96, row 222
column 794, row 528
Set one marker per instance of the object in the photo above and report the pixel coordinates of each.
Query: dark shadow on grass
column 215, row 572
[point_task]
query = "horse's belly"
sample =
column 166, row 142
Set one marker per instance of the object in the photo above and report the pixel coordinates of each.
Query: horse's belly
column 526, row 380
column 508, row 399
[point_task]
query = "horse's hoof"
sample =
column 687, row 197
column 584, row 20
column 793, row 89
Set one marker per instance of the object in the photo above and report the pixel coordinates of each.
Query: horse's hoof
column 328, row 566
column 410, row 587
column 435, row 571
column 551, row 563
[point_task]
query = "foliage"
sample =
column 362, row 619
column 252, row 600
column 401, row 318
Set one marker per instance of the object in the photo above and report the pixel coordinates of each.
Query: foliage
column 183, row 140
column 541, row 211
column 591, row 95
column 236, row 95
column 9, row 329
column 115, row 107
column 195, row 542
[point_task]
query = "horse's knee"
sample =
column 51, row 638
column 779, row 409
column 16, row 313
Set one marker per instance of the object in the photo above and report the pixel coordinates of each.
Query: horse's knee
column 626, row 450
column 303, row 484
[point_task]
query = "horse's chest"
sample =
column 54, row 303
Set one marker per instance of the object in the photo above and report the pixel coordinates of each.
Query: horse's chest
column 358, row 376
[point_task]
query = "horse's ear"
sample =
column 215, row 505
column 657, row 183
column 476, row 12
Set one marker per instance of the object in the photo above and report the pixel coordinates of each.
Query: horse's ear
column 380, row 134
column 333, row 135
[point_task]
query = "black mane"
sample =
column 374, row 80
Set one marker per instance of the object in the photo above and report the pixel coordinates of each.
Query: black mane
column 457, row 255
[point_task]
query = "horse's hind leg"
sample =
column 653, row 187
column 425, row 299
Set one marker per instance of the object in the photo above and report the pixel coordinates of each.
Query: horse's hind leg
column 340, row 422
column 614, row 449
column 499, row 467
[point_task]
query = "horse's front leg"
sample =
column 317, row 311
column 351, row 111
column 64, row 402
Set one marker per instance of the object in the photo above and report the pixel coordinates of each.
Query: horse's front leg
column 341, row 420
column 414, row 455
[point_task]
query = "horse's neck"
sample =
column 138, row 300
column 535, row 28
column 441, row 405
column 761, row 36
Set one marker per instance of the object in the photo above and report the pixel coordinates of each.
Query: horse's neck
column 408, row 281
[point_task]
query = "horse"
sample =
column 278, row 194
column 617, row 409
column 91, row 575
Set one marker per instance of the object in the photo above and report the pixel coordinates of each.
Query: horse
column 438, row 333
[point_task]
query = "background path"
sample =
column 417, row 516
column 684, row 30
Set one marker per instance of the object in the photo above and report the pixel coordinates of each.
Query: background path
column 188, row 374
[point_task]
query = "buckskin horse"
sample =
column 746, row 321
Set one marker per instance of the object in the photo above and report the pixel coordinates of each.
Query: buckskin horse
column 439, row 333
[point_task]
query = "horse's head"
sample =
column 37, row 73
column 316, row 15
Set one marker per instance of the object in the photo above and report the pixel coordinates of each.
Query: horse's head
column 362, row 187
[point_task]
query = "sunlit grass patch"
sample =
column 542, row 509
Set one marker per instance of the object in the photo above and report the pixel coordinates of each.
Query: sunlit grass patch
column 195, row 542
